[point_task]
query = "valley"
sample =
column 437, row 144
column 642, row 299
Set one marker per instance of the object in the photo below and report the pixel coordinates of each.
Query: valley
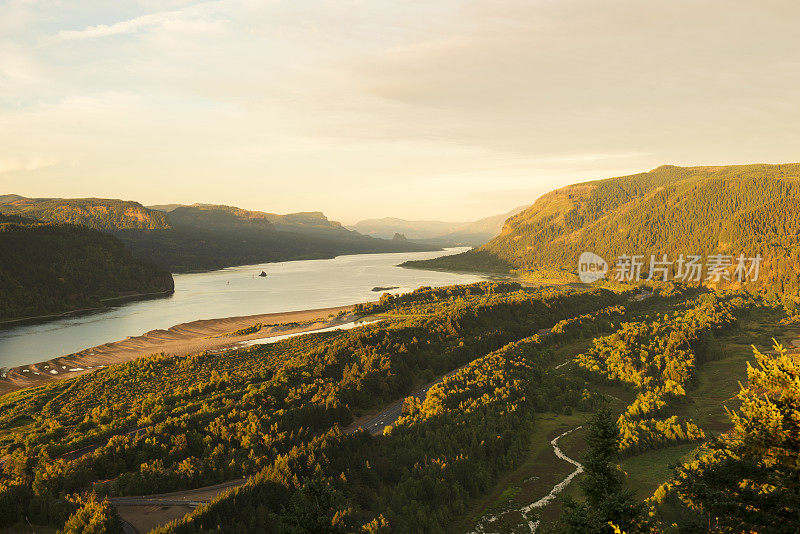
column 399, row 267
column 469, row 394
column 203, row 237
column 408, row 411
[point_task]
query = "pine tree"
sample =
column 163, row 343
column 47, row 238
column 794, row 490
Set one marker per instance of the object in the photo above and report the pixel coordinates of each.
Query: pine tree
column 316, row 508
column 749, row 480
column 94, row 517
column 607, row 498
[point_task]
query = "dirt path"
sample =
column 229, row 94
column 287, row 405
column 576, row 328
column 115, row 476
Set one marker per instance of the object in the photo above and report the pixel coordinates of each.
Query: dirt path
column 544, row 501
column 147, row 511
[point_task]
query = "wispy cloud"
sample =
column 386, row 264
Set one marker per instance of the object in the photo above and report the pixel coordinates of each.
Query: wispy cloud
column 26, row 164
column 292, row 104
column 143, row 22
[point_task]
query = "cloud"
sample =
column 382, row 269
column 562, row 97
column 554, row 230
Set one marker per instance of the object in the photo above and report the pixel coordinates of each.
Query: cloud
column 315, row 100
column 26, row 165
column 136, row 24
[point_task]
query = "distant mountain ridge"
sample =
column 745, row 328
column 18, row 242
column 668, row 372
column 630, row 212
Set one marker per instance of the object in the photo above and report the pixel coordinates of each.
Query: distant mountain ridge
column 304, row 218
column 737, row 209
column 202, row 236
column 474, row 233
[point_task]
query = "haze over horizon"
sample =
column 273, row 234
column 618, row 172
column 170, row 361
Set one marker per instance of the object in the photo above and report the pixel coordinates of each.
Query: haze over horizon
column 430, row 111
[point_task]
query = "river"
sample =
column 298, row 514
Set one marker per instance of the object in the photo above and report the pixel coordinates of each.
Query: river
column 234, row 291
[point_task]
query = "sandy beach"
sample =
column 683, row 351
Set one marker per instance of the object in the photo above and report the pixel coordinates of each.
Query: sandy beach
column 185, row 338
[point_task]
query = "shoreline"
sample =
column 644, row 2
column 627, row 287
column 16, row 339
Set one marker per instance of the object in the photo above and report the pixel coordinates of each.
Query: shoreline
column 178, row 340
column 36, row 319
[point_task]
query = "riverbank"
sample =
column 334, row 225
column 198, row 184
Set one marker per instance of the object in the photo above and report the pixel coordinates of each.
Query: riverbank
column 105, row 304
column 186, row 338
column 231, row 292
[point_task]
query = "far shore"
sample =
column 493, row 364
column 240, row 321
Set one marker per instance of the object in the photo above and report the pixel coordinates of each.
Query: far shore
column 186, row 338
column 104, row 305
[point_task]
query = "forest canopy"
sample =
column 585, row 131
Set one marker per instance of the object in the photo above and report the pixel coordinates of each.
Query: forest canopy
column 728, row 210
column 48, row 268
column 204, row 237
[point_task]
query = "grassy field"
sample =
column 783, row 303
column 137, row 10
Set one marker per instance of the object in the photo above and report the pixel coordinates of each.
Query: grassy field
column 540, row 469
column 536, row 474
column 717, row 382
column 28, row 529
column 646, row 471
column 715, row 386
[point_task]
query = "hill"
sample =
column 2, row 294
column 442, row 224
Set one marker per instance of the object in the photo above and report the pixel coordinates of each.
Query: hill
column 440, row 233
column 729, row 210
column 202, row 236
column 48, row 268
column 212, row 237
column 459, row 406
column 98, row 213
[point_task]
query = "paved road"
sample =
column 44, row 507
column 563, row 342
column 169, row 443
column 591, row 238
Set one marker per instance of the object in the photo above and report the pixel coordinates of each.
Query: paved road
column 389, row 416
column 375, row 425
column 193, row 497
column 155, row 501
column 127, row 528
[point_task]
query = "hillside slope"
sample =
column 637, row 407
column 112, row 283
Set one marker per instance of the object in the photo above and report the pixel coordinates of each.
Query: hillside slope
column 50, row 268
column 743, row 209
column 212, row 237
column 202, row 236
column 98, row 213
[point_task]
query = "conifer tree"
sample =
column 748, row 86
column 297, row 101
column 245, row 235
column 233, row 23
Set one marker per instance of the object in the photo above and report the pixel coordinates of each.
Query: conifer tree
column 607, row 498
column 749, row 480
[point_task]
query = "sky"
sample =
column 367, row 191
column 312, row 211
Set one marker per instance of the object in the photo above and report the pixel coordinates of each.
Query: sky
column 448, row 110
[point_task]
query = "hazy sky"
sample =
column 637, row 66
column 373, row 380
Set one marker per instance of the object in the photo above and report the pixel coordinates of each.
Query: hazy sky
column 442, row 109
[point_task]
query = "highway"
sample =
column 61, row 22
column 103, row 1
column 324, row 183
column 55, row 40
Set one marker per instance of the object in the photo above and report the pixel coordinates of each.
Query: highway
column 374, row 424
column 193, row 497
column 389, row 416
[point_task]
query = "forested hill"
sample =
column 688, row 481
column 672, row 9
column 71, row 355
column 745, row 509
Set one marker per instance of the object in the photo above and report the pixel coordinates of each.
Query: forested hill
column 212, row 237
column 225, row 218
column 201, row 236
column 205, row 214
column 98, row 213
column 48, row 268
column 743, row 209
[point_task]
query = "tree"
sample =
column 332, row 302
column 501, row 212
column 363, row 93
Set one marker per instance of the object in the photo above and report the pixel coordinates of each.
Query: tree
column 94, row 517
column 315, row 508
column 749, row 480
column 607, row 498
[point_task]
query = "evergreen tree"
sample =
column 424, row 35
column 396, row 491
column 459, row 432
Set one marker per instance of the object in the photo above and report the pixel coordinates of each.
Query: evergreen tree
column 749, row 480
column 315, row 509
column 94, row 517
column 607, row 498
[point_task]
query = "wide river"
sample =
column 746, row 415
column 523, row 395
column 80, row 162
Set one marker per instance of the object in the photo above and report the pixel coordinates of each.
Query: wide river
column 235, row 291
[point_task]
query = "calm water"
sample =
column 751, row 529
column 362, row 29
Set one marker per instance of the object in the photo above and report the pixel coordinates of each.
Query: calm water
column 289, row 286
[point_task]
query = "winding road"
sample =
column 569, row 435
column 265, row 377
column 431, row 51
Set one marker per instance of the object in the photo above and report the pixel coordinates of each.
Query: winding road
column 374, row 424
column 388, row 416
